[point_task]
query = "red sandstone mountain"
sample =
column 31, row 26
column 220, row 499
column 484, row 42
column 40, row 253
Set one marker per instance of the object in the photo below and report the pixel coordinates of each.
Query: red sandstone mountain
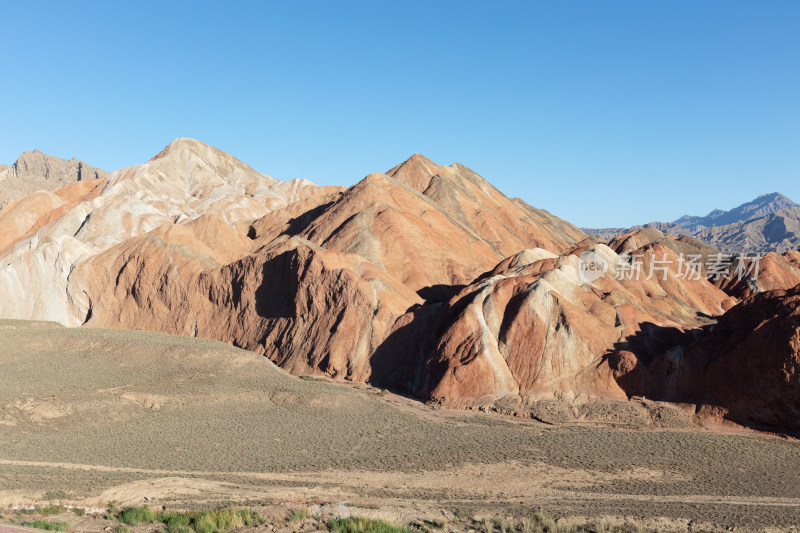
column 426, row 224
column 425, row 278
column 532, row 327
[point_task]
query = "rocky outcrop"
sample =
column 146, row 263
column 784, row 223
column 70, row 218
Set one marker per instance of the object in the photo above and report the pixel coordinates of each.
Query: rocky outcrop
column 35, row 171
column 770, row 272
column 308, row 309
column 753, row 360
column 745, row 368
column 532, row 327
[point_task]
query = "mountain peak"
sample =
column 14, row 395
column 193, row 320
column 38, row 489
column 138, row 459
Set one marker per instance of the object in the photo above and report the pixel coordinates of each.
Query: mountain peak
column 186, row 144
column 35, row 171
column 35, row 165
column 759, row 207
column 416, row 172
column 188, row 166
column 775, row 196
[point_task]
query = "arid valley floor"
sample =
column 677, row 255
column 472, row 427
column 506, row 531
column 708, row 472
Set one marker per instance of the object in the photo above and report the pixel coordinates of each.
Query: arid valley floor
column 146, row 418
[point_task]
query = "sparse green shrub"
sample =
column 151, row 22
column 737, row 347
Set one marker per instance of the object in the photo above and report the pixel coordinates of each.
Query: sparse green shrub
column 298, row 514
column 178, row 529
column 228, row 519
column 174, row 518
column 50, row 510
column 47, row 525
column 134, row 516
column 122, row 529
column 205, row 523
column 80, row 511
column 113, row 511
column 218, row 521
column 224, row 520
column 55, row 495
column 364, row 525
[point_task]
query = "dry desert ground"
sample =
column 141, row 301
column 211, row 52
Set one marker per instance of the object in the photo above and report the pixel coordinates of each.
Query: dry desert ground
column 95, row 417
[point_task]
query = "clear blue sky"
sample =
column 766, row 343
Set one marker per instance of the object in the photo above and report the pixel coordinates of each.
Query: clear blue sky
column 606, row 113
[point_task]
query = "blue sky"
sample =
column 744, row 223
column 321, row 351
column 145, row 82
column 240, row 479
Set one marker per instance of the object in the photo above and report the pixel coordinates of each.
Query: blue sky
column 605, row 113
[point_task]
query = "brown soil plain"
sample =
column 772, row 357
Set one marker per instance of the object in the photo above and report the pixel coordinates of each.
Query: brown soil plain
column 137, row 418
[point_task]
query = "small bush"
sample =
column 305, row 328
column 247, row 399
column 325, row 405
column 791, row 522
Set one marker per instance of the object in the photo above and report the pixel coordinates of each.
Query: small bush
column 122, row 529
column 80, row 511
column 113, row 512
column 47, row 525
column 228, row 519
column 205, row 524
column 224, row 520
column 251, row 517
column 297, row 515
column 134, row 516
column 55, row 495
column 178, row 529
column 364, row 525
column 175, row 518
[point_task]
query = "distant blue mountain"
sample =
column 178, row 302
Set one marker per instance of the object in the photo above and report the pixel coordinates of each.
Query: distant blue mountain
column 770, row 223
column 764, row 205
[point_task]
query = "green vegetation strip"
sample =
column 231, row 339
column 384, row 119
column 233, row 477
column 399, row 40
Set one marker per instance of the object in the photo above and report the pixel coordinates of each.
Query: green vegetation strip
column 364, row 525
column 50, row 510
column 218, row 521
column 47, row 525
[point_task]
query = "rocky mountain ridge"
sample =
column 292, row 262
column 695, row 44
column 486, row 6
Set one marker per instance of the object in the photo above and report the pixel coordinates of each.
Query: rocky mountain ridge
column 425, row 278
column 34, row 171
column 769, row 223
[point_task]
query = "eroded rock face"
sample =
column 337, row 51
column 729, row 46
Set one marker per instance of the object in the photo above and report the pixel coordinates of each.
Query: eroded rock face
column 532, row 327
column 770, row 272
column 35, row 171
column 310, row 310
column 745, row 368
column 753, row 356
